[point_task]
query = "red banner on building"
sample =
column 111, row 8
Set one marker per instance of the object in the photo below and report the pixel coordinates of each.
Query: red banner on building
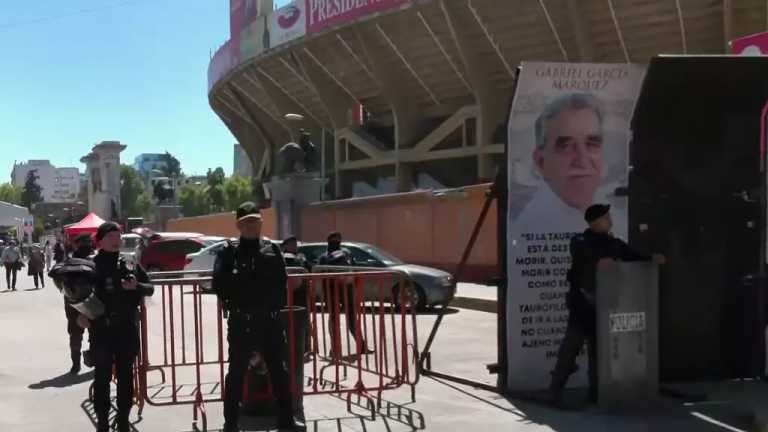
column 326, row 13
column 756, row 44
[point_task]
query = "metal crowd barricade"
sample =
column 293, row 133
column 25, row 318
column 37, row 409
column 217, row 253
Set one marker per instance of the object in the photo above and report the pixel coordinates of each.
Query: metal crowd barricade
column 373, row 350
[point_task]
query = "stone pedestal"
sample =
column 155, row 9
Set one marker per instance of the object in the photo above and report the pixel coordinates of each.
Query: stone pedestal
column 164, row 213
column 290, row 194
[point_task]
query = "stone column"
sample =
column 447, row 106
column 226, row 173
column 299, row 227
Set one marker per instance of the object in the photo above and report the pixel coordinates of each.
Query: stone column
column 103, row 172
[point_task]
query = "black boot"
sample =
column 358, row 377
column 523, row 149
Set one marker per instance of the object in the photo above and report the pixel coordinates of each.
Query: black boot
column 123, row 424
column 87, row 358
column 228, row 427
column 102, row 425
column 289, row 424
column 75, row 356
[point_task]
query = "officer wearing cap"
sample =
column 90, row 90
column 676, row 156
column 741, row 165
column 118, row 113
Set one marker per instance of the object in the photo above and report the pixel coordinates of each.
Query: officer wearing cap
column 83, row 250
column 595, row 246
column 293, row 258
column 115, row 334
column 250, row 280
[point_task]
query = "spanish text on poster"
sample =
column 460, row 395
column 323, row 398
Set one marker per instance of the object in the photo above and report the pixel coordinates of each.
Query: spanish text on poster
column 568, row 137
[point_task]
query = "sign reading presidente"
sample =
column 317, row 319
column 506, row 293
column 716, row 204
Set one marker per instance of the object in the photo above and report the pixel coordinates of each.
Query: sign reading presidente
column 327, row 13
column 568, row 135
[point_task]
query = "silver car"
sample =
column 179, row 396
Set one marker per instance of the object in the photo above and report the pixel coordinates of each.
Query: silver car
column 432, row 286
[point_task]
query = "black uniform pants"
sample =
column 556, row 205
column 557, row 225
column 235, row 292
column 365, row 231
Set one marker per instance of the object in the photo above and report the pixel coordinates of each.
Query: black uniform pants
column 10, row 275
column 75, row 333
column 39, row 279
column 267, row 337
column 116, row 349
column 580, row 330
column 343, row 296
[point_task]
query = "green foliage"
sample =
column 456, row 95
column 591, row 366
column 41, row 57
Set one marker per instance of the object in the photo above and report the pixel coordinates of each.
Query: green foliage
column 38, row 231
column 135, row 200
column 33, row 192
column 10, row 193
column 215, row 189
column 237, row 190
column 194, row 201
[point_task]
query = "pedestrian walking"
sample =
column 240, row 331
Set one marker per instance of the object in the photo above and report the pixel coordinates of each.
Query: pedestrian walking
column 115, row 334
column 48, row 251
column 59, row 253
column 250, row 280
column 11, row 259
column 36, row 265
column 595, row 247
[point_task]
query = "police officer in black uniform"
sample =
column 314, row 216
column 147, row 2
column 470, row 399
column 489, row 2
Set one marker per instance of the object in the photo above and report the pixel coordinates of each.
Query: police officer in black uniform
column 115, row 334
column 336, row 255
column 250, row 280
column 83, row 250
column 294, row 258
column 596, row 246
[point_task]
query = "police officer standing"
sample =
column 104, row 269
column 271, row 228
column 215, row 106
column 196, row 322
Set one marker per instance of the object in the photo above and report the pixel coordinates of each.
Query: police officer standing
column 336, row 255
column 250, row 280
column 83, row 250
column 595, row 247
column 294, row 258
column 115, row 334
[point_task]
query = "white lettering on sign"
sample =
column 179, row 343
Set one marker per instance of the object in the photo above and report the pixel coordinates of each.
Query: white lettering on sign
column 626, row 322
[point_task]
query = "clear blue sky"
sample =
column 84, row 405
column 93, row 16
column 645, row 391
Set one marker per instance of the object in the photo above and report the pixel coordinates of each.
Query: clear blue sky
column 77, row 72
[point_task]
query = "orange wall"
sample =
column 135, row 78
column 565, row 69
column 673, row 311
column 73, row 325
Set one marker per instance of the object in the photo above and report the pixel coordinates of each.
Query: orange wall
column 418, row 227
column 221, row 224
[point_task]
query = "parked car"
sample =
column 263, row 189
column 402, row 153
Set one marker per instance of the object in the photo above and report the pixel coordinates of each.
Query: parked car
column 432, row 286
column 169, row 252
column 202, row 260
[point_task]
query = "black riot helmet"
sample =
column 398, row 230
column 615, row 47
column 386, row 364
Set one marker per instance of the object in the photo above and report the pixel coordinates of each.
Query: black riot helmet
column 76, row 279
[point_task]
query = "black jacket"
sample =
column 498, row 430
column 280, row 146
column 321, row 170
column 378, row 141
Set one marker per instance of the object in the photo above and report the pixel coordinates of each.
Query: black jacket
column 587, row 249
column 339, row 257
column 121, row 305
column 250, row 277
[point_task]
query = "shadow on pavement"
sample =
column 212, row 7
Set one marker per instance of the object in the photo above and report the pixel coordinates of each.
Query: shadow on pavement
column 667, row 415
column 61, row 381
column 87, row 407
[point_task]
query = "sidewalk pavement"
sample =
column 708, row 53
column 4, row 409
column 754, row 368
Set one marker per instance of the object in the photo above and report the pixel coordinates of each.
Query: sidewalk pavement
column 37, row 395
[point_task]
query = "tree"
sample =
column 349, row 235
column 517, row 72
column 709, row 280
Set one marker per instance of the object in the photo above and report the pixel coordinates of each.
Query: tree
column 10, row 193
column 135, row 200
column 237, row 190
column 194, row 201
column 172, row 166
column 32, row 193
column 215, row 189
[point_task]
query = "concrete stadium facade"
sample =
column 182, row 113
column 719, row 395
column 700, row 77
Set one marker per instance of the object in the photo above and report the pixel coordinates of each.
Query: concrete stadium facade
column 434, row 78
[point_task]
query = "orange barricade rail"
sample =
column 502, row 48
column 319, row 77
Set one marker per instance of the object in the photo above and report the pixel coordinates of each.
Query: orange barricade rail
column 361, row 329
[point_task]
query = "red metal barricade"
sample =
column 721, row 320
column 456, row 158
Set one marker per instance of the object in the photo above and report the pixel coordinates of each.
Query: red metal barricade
column 373, row 350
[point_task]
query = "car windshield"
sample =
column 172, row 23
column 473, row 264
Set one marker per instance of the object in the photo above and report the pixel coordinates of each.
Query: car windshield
column 381, row 255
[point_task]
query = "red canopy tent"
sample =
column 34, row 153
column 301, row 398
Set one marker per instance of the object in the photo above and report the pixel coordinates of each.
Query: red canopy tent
column 89, row 224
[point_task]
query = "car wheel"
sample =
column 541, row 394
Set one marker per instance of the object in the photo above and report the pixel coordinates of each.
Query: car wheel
column 416, row 296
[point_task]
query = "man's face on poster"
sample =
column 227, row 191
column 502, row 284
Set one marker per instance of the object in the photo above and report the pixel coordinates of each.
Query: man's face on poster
column 571, row 159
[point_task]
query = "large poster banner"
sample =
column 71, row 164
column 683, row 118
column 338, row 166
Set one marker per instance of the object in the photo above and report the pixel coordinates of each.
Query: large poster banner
column 568, row 135
column 288, row 23
column 327, row 13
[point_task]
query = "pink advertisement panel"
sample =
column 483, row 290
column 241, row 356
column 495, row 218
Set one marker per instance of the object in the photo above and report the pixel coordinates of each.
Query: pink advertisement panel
column 756, row 44
column 322, row 14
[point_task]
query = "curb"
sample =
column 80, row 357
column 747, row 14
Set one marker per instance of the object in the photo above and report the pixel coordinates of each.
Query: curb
column 476, row 304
